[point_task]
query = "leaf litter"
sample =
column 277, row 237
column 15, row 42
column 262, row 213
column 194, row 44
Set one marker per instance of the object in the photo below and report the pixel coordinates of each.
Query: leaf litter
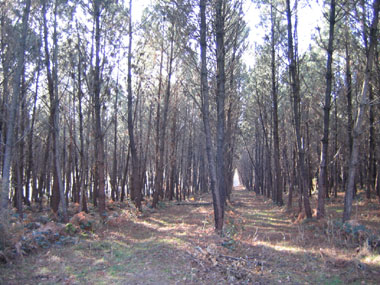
column 176, row 244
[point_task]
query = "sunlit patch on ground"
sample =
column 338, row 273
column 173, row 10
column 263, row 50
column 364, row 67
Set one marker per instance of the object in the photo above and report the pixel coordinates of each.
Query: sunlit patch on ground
column 176, row 244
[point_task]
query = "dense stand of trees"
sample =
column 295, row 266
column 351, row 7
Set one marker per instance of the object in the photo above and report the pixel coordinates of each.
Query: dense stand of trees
column 309, row 109
column 97, row 105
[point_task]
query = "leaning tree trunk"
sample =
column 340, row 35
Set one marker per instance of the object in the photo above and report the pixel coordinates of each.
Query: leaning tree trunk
column 363, row 99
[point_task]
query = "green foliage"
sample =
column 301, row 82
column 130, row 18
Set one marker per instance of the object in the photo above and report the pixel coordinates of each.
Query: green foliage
column 70, row 229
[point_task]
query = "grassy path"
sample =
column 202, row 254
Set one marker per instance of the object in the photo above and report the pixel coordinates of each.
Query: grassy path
column 175, row 244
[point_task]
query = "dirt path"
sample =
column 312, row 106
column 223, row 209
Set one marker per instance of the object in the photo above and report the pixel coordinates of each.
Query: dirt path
column 175, row 244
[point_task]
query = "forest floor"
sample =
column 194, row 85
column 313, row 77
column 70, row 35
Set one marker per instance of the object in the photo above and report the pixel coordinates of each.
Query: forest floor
column 176, row 244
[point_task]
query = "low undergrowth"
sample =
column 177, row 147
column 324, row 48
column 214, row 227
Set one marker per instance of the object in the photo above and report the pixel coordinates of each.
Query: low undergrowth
column 176, row 244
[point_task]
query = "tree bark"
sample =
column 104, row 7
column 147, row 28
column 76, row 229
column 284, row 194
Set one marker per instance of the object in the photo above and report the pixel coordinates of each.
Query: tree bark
column 206, row 118
column 99, row 137
column 363, row 99
column 83, row 166
column 220, row 192
column 158, row 127
column 294, row 82
column 8, row 151
column 135, row 187
column 276, row 141
column 160, row 170
column 52, row 77
column 323, row 184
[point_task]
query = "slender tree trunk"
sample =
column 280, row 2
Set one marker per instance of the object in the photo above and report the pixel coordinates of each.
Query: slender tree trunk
column 217, row 201
column 83, row 167
column 30, row 168
column 99, row 136
column 125, row 176
column 276, row 141
column 52, row 77
column 20, row 57
column 135, row 187
column 114, row 182
column 173, row 151
column 158, row 126
column 23, row 118
column 323, row 184
column 221, row 118
column 371, row 176
column 160, row 170
column 363, row 99
column 348, row 79
column 336, row 163
column 294, row 81
column 143, row 172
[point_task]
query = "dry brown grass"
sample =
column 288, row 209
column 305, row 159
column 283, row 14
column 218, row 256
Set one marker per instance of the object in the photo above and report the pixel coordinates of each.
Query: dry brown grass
column 176, row 244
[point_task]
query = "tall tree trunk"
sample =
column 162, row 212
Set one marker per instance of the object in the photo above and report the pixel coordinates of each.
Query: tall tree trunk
column 52, row 77
column 114, row 183
column 83, row 165
column 323, row 184
column 336, row 163
column 220, row 192
column 363, row 99
column 160, row 170
column 20, row 57
column 135, row 187
column 99, row 136
column 294, row 82
column 173, row 151
column 371, row 177
column 276, row 140
column 6, row 75
column 348, row 83
column 19, row 171
column 158, row 127
column 206, row 119
column 30, row 167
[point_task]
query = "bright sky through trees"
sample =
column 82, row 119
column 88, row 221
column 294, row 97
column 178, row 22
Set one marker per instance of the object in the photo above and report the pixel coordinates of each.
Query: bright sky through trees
column 309, row 17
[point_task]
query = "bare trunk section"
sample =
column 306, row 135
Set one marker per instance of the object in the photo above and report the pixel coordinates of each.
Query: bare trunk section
column 277, row 195
column 135, row 181
column 158, row 120
column 206, row 118
column 160, row 170
column 14, row 105
column 294, row 82
column 83, row 168
column 323, row 184
column 99, row 136
column 220, row 192
column 52, row 77
column 363, row 99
